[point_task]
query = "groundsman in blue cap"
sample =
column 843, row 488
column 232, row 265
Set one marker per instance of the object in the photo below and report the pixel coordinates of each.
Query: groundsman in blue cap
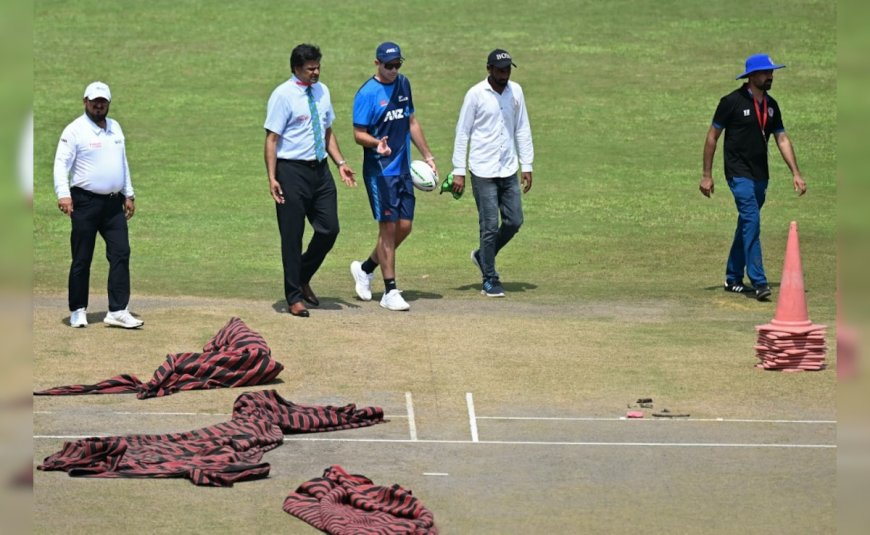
column 749, row 115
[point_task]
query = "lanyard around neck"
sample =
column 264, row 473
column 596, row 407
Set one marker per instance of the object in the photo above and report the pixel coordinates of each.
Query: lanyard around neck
column 761, row 112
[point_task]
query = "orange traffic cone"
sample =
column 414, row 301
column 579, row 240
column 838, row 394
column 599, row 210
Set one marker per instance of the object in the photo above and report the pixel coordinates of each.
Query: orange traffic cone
column 791, row 342
column 791, row 306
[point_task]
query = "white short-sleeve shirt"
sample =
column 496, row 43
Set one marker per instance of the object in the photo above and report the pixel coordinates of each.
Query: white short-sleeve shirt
column 92, row 158
column 288, row 114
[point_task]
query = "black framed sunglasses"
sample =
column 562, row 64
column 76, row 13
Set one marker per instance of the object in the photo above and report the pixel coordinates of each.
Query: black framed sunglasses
column 395, row 65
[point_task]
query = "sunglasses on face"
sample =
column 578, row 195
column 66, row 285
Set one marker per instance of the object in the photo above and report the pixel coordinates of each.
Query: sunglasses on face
column 394, row 66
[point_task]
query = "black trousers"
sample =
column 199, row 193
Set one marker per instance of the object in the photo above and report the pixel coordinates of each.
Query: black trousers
column 309, row 193
column 103, row 214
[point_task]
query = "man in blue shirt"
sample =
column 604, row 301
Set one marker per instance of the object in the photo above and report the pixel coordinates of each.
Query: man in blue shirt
column 384, row 124
column 298, row 137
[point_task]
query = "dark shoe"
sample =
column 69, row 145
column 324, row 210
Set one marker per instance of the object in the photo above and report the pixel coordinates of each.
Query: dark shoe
column 298, row 309
column 737, row 287
column 308, row 295
column 762, row 293
column 492, row 288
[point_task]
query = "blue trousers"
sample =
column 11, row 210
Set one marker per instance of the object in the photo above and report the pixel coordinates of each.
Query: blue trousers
column 494, row 197
column 745, row 252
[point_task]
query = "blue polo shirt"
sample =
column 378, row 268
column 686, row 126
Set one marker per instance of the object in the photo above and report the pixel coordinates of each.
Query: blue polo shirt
column 385, row 110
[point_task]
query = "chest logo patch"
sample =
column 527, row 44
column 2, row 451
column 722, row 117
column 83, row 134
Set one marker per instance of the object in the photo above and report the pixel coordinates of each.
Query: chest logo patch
column 393, row 115
column 746, row 113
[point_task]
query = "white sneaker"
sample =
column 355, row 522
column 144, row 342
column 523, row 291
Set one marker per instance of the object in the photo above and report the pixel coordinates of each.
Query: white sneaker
column 78, row 318
column 393, row 300
column 122, row 318
column 363, row 280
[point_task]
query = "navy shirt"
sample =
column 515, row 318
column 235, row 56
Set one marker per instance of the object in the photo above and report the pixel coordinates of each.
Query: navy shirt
column 745, row 143
column 385, row 110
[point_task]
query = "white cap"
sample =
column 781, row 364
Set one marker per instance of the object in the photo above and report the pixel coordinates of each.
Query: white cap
column 98, row 90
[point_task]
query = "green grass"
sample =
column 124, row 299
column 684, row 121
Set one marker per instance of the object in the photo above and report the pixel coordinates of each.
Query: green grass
column 619, row 107
column 618, row 266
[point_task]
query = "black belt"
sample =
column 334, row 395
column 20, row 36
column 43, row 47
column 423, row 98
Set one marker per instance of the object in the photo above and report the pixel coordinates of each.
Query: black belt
column 307, row 163
column 100, row 195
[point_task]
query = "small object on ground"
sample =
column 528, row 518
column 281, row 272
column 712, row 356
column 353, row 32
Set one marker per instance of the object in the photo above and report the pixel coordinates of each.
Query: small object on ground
column 644, row 400
column 666, row 413
column 634, row 414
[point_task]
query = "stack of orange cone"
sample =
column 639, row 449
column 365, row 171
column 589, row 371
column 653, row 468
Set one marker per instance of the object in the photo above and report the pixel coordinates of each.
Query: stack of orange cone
column 791, row 342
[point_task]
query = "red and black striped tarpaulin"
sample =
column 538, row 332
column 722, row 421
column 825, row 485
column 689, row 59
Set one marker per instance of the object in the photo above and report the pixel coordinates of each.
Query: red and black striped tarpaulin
column 235, row 356
column 345, row 504
column 218, row 455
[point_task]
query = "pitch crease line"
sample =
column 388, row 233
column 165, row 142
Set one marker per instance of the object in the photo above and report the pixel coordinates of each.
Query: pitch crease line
column 622, row 418
column 472, row 419
column 296, row 438
column 412, row 424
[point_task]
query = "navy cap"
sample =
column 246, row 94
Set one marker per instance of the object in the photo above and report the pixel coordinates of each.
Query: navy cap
column 500, row 59
column 759, row 62
column 388, row 51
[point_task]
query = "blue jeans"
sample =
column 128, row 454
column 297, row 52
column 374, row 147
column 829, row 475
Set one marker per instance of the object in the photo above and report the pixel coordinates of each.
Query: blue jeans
column 494, row 197
column 746, row 248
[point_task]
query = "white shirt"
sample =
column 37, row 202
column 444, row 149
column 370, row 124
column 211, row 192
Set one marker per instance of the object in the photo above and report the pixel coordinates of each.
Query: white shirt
column 493, row 132
column 289, row 115
column 97, row 158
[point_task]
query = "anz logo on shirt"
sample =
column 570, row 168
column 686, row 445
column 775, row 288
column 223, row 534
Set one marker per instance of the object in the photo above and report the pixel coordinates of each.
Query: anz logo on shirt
column 394, row 115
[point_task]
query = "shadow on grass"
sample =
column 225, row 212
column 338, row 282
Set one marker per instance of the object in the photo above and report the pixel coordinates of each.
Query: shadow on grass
column 326, row 303
column 96, row 318
column 508, row 286
column 414, row 295
column 748, row 294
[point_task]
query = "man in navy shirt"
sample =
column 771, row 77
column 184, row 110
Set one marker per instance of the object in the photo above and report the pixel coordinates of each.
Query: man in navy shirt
column 384, row 124
column 749, row 115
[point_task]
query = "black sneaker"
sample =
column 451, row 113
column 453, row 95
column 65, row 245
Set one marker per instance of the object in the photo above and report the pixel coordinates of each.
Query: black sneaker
column 737, row 287
column 492, row 288
column 762, row 293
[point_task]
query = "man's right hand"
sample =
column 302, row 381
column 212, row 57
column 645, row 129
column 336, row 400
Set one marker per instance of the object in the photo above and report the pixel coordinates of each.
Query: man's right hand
column 66, row 205
column 706, row 186
column 277, row 193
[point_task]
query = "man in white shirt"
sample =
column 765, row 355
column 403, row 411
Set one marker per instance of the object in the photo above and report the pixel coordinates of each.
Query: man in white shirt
column 93, row 187
column 494, row 139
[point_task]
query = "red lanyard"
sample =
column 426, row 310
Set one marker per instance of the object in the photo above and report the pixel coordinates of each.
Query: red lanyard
column 762, row 117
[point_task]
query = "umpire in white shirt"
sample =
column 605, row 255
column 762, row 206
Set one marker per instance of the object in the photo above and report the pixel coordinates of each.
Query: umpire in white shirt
column 494, row 139
column 92, row 183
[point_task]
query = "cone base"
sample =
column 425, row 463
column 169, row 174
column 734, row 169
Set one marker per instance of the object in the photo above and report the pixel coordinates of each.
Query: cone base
column 789, row 329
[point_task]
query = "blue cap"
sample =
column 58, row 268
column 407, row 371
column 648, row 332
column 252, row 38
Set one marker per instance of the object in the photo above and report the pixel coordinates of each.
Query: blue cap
column 759, row 62
column 388, row 51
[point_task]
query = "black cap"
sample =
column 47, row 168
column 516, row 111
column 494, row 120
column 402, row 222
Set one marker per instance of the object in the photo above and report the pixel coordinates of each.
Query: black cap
column 500, row 59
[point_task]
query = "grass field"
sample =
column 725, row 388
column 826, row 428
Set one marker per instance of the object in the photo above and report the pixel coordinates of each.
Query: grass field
column 613, row 283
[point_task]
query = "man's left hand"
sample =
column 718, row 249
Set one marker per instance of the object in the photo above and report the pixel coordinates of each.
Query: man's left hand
column 431, row 162
column 129, row 208
column 799, row 185
column 526, row 181
column 347, row 175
